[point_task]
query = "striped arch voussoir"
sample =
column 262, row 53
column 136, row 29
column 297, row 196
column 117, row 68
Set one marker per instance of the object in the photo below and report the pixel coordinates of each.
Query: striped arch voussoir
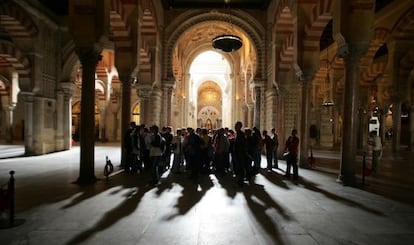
column 16, row 22
column 16, row 59
column 321, row 15
column 406, row 65
column 120, row 27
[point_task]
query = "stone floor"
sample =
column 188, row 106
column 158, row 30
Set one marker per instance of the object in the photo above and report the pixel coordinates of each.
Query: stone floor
column 50, row 209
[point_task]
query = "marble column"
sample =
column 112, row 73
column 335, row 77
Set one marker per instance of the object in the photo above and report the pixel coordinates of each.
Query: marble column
column 351, row 114
column 89, row 58
column 8, row 109
column 257, row 105
column 68, row 90
column 396, row 126
column 125, row 112
column 167, row 104
column 144, row 92
column 60, row 110
column 156, row 100
column 411, row 144
column 28, row 122
column 304, row 121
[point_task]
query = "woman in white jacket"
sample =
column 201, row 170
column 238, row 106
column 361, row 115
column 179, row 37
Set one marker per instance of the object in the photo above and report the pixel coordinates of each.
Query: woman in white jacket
column 156, row 150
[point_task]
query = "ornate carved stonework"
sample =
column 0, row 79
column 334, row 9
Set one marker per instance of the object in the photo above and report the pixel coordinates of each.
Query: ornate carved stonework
column 144, row 91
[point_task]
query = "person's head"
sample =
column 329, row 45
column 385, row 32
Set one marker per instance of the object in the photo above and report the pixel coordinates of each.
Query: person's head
column 248, row 131
column 273, row 130
column 238, row 126
column 155, row 129
column 132, row 124
column 294, row 132
column 264, row 132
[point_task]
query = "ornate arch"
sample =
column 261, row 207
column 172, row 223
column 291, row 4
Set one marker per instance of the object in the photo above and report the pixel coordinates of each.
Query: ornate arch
column 319, row 18
column 380, row 37
column 254, row 31
column 406, row 66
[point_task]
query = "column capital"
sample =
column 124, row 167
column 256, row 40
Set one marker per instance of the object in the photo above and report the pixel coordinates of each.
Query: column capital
column 9, row 107
column 168, row 85
column 68, row 88
column 28, row 96
column 144, row 91
column 89, row 55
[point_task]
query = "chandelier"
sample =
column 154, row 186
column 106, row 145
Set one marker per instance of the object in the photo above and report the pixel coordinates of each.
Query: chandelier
column 227, row 42
column 328, row 101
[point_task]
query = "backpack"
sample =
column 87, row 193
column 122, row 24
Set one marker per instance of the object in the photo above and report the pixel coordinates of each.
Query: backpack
column 158, row 142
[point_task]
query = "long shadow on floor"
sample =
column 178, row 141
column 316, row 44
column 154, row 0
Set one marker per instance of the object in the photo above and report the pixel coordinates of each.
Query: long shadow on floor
column 314, row 187
column 131, row 202
column 259, row 201
column 275, row 178
column 191, row 193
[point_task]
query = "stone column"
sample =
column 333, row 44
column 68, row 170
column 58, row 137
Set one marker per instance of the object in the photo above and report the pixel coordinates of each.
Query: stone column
column 28, row 122
column 60, row 110
column 396, row 126
column 250, row 114
column 68, row 90
column 89, row 58
column 125, row 112
column 351, row 114
column 144, row 92
column 257, row 105
column 411, row 146
column 167, row 101
column 8, row 109
column 156, row 100
column 102, row 122
column 304, row 121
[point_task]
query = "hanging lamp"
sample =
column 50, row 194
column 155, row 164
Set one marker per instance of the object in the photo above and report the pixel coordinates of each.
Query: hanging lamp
column 327, row 102
column 227, row 42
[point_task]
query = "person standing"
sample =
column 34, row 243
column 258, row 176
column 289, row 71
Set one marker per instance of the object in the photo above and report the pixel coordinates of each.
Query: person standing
column 168, row 136
column 193, row 146
column 268, row 143
column 177, row 148
column 241, row 163
column 376, row 150
column 275, row 138
column 155, row 153
column 292, row 145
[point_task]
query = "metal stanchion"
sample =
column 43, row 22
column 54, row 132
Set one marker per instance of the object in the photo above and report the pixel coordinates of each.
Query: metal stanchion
column 363, row 168
column 11, row 192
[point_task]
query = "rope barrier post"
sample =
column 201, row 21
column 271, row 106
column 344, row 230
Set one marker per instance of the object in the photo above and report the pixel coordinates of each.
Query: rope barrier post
column 11, row 190
column 363, row 168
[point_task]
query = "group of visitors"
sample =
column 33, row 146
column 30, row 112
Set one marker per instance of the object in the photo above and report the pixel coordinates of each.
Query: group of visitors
column 201, row 151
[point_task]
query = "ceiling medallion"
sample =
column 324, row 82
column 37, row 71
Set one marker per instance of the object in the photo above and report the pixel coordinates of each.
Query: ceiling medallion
column 227, row 43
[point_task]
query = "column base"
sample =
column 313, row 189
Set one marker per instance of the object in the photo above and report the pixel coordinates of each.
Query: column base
column 347, row 179
column 86, row 180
